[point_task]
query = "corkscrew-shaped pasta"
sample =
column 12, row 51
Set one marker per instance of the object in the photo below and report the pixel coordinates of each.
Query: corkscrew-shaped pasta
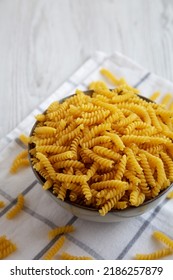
column 2, row 204
column 6, row 247
column 100, row 160
column 71, row 178
column 136, row 198
column 62, row 191
column 48, row 184
column 53, row 106
column 110, row 204
column 91, row 118
column 71, row 135
column 92, row 170
column 19, row 161
column 55, row 248
column 45, row 130
column 17, row 208
column 48, row 166
column 74, row 146
column 67, row 256
column 121, row 205
column 132, row 178
column 96, row 141
column 60, row 230
column 155, row 95
column 154, row 255
column 97, row 85
column 170, row 195
column 168, row 165
column 105, row 152
column 96, row 130
column 61, row 157
column 121, row 168
column 51, row 149
column 109, row 184
column 163, row 238
column 147, row 170
column 24, row 139
column 112, row 78
column 132, row 160
column 68, row 163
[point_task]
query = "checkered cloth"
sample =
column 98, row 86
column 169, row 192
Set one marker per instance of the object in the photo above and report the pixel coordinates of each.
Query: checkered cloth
column 29, row 230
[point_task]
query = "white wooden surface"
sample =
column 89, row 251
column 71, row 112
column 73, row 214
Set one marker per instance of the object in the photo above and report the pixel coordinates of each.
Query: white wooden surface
column 43, row 41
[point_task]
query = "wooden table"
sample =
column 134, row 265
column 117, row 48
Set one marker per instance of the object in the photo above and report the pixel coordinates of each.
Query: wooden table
column 43, row 41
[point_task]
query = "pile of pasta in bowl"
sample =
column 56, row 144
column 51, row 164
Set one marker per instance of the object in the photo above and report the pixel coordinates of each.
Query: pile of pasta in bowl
column 104, row 149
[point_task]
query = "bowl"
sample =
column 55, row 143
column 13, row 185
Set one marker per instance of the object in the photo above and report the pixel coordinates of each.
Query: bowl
column 90, row 213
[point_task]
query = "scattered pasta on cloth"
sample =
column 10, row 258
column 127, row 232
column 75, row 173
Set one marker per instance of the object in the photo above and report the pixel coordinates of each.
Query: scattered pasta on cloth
column 6, row 247
column 109, row 151
column 17, row 208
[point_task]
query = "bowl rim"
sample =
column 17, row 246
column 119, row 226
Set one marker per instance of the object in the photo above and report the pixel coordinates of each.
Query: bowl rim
column 41, row 180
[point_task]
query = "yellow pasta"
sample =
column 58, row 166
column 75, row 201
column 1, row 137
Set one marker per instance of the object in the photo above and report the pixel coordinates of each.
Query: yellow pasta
column 24, row 139
column 19, row 161
column 170, row 195
column 17, row 208
column 6, row 247
column 155, row 95
column 67, row 256
column 2, row 204
column 163, row 238
column 55, row 248
column 167, row 97
column 60, row 230
column 111, row 77
column 154, row 255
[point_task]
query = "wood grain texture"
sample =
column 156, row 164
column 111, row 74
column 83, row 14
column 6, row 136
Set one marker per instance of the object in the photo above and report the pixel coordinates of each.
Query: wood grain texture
column 43, row 41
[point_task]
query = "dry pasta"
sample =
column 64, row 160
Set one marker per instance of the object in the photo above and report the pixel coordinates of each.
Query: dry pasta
column 2, row 204
column 24, row 139
column 17, row 208
column 154, row 255
column 164, row 238
column 87, row 145
column 6, row 247
column 60, row 230
column 170, row 195
column 21, row 160
column 55, row 248
column 67, row 256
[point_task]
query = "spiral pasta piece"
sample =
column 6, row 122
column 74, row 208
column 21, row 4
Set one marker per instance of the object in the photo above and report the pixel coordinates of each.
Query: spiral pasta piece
column 155, row 95
column 48, row 166
column 60, row 230
column 2, row 204
column 147, row 170
column 24, row 139
column 17, row 208
column 67, row 256
column 55, row 248
column 100, row 160
column 163, row 238
column 154, row 255
column 19, row 161
column 6, row 247
column 121, row 168
column 110, row 204
column 170, row 195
